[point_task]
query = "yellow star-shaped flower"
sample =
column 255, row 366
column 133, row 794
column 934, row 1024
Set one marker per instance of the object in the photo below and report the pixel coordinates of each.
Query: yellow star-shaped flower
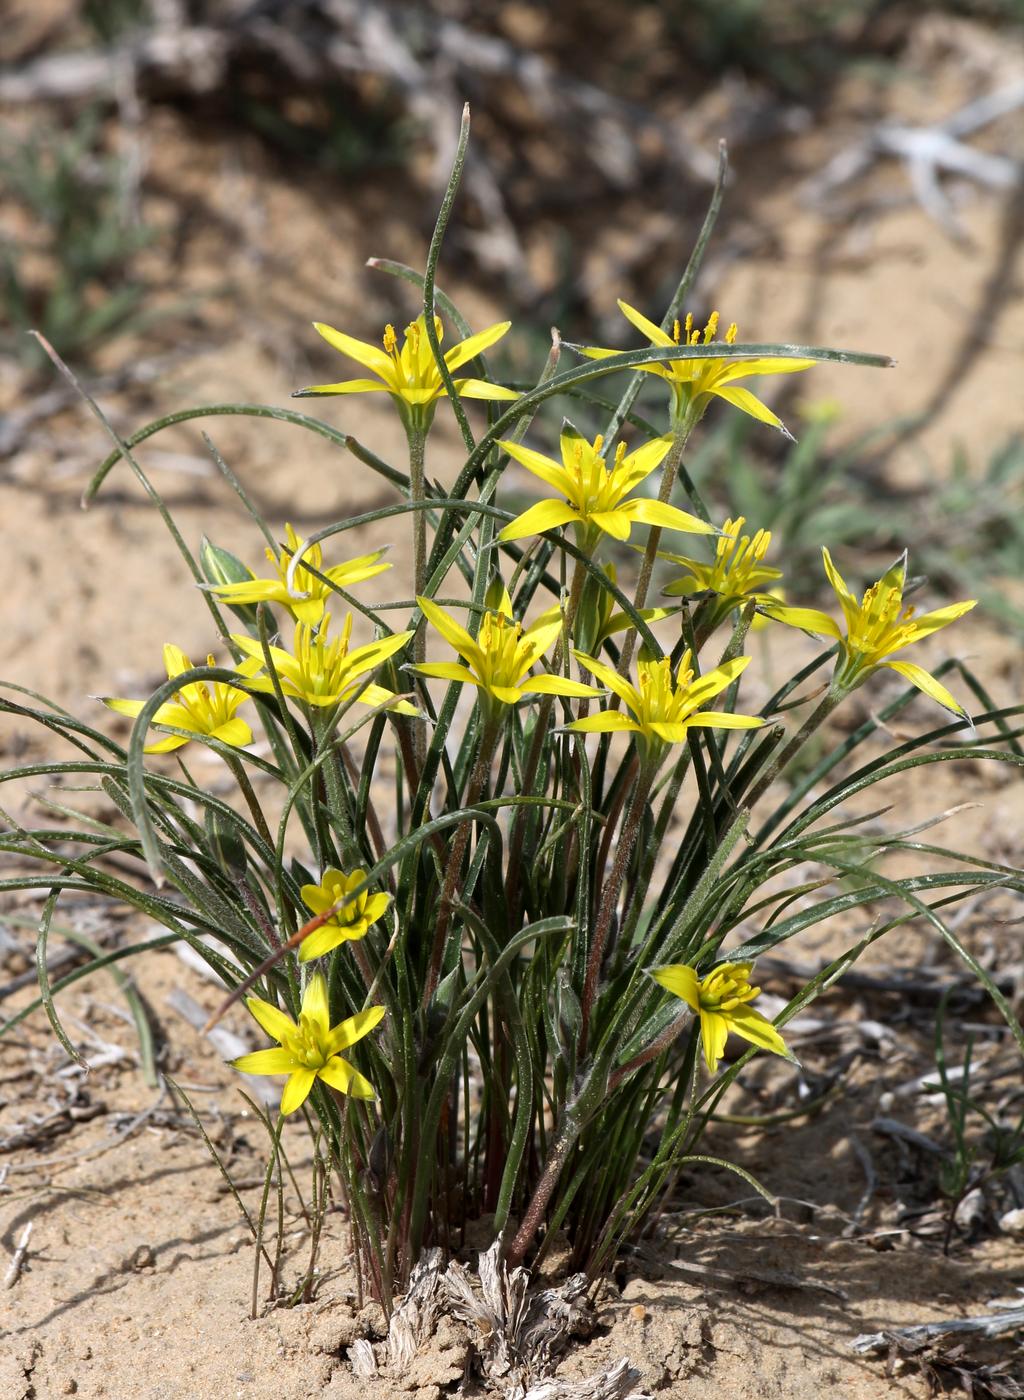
column 307, row 602
column 500, row 659
column 310, row 1049
column 198, row 707
column 594, row 493
column 877, row 628
column 410, row 374
column 695, row 382
column 722, row 1000
column 351, row 921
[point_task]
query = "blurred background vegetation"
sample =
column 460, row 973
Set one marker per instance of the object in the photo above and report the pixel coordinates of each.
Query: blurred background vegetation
column 132, row 133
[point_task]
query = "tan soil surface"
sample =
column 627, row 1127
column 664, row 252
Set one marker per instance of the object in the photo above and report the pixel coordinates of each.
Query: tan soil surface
column 138, row 1275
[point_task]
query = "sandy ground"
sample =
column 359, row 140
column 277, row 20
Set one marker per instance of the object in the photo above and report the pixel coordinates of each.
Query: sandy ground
column 138, row 1274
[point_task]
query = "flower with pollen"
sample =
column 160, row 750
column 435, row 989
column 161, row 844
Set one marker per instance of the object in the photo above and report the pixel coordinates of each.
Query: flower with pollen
column 350, row 921
column 499, row 659
column 201, row 708
column 662, row 707
column 736, row 574
column 310, row 1050
column 877, row 628
column 695, row 382
column 307, row 600
column 722, row 1000
column 594, row 493
column 410, row 374
column 323, row 672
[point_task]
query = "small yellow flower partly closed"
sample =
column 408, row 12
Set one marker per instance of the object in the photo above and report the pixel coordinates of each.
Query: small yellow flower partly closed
column 877, row 628
column 198, row 707
column 310, row 1050
column 311, row 593
column 351, row 921
column 663, row 707
column 595, row 494
column 323, row 672
column 695, row 382
column 500, row 658
column 737, row 574
column 722, row 1000
column 410, row 374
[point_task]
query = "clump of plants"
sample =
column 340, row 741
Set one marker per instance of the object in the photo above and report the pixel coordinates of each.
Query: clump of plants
column 499, row 874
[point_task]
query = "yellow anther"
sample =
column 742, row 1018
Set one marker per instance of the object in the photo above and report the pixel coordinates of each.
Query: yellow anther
column 731, row 333
column 620, row 453
column 689, row 325
column 695, row 338
column 390, row 339
column 599, row 443
column 711, row 329
column 412, row 335
column 675, row 330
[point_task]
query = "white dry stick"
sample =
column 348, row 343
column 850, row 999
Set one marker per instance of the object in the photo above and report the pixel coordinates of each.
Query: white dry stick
column 18, row 1257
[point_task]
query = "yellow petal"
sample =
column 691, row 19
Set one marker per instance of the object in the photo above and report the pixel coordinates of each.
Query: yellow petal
column 347, row 1032
column 543, row 467
column 340, row 1075
column 713, row 1033
column 714, row 682
column 681, row 980
column 928, row 623
column 775, row 364
column 616, row 523
column 807, row 619
column 377, row 695
column 755, row 1028
column 638, row 465
column 271, row 1061
column 370, row 356
column 453, row 632
column 559, row 685
column 273, row 1020
column 607, row 722
column 314, row 1002
column 131, row 708
column 346, row 386
column 446, row 671
column 175, row 660
column 653, row 333
column 234, row 732
column 507, row 694
column 545, row 515
column 724, row 719
column 483, row 389
column 666, row 517
column 323, row 940
column 296, row 1091
column 749, row 403
column 927, row 683
column 610, row 678
column 472, row 346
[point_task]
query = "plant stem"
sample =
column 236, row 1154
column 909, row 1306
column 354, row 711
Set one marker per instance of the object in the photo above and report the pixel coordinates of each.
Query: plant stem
column 610, row 894
column 810, row 724
column 245, row 787
column 518, row 833
column 481, row 768
column 417, row 494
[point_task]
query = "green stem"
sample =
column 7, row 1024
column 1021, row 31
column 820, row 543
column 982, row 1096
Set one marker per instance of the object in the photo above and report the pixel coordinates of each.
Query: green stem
column 417, row 494
column 518, row 834
column 245, row 787
column 810, row 724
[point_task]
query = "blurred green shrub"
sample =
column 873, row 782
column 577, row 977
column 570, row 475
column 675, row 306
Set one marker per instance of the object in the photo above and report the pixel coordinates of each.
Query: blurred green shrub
column 68, row 244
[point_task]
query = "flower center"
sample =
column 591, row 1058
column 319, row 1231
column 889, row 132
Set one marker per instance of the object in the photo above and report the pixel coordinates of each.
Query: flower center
column 306, row 1043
